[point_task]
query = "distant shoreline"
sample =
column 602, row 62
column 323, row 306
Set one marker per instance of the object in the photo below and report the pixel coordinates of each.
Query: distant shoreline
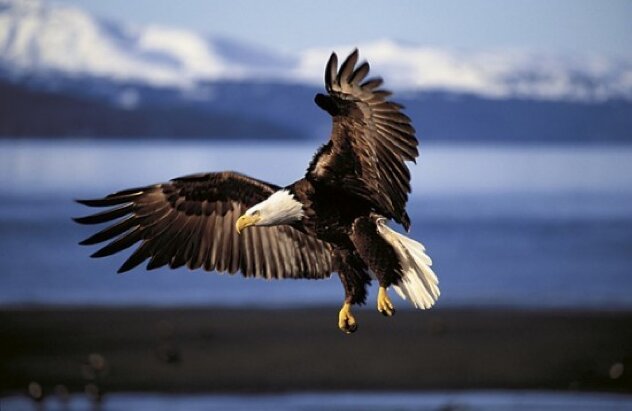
column 278, row 350
column 240, row 110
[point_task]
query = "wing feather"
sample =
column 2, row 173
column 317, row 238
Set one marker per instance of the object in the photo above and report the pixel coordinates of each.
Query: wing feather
column 112, row 231
column 371, row 84
column 121, row 243
column 360, row 73
column 105, row 216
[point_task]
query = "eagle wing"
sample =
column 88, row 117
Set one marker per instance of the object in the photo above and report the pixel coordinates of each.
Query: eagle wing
column 370, row 140
column 191, row 221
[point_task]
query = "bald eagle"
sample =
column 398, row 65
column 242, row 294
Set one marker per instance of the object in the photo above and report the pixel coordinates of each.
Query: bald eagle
column 334, row 219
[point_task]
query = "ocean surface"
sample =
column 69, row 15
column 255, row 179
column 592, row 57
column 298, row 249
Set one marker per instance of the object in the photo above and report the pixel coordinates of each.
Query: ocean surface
column 517, row 225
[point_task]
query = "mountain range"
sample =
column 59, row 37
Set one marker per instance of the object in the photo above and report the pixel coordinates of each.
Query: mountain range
column 65, row 72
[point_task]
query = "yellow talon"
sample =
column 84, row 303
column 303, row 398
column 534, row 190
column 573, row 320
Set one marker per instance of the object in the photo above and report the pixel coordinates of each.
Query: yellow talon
column 346, row 322
column 384, row 304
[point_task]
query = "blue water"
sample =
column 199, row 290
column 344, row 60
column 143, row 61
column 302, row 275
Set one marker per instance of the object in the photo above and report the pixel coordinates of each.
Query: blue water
column 352, row 401
column 528, row 226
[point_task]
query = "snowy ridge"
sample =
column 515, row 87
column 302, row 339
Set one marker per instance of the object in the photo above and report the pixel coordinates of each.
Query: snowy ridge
column 40, row 38
column 496, row 73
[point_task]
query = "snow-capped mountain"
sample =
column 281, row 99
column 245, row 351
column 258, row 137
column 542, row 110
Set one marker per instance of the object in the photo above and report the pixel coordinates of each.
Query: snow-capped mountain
column 40, row 38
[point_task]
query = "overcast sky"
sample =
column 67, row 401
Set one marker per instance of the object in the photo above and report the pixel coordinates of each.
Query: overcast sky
column 587, row 26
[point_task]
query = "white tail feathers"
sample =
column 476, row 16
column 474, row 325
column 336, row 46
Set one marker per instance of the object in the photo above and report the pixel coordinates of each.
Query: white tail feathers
column 419, row 284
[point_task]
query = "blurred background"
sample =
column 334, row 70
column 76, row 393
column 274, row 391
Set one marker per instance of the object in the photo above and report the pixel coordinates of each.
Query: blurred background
column 522, row 195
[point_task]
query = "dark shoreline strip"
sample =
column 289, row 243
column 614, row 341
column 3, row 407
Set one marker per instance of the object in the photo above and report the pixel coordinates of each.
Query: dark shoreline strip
column 276, row 350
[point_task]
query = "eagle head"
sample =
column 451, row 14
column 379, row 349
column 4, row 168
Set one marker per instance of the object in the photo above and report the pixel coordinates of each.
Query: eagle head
column 280, row 208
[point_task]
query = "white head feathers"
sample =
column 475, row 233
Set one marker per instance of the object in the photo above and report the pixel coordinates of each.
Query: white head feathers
column 279, row 208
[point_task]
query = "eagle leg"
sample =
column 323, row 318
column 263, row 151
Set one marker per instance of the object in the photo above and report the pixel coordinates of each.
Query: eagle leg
column 384, row 304
column 355, row 278
column 380, row 256
column 347, row 322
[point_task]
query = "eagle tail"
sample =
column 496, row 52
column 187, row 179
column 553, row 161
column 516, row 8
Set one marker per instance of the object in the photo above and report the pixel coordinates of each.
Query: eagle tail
column 418, row 283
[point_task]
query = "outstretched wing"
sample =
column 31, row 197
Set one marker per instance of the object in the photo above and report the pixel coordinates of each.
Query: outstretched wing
column 191, row 221
column 370, row 141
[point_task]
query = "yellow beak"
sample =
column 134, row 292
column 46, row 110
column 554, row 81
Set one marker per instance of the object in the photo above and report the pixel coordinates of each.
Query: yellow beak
column 246, row 221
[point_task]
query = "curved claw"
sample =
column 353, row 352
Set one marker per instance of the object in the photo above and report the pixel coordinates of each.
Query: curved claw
column 346, row 322
column 384, row 304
